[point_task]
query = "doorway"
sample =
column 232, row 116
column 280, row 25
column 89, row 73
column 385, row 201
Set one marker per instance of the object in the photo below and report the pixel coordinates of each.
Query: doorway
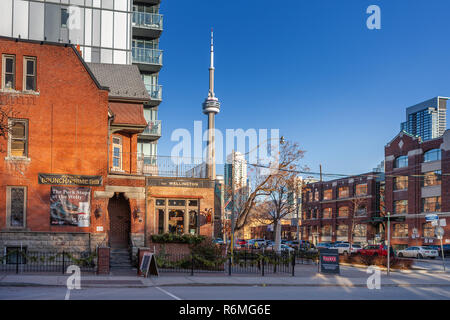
column 120, row 221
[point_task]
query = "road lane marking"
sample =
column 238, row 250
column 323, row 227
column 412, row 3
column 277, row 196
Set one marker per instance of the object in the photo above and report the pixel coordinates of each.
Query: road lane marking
column 168, row 293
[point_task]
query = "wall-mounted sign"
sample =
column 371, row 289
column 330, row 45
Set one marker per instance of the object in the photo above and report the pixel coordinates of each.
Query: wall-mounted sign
column 181, row 183
column 70, row 206
column 69, row 179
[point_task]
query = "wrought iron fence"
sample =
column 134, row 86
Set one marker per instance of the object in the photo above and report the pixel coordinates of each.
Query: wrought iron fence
column 242, row 262
column 21, row 260
column 166, row 166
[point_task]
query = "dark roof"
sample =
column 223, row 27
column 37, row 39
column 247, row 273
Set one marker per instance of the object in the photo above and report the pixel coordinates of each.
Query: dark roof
column 124, row 81
column 59, row 44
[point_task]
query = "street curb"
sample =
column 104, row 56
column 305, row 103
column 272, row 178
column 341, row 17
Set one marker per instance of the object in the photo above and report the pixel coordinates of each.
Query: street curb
column 16, row 284
column 413, row 270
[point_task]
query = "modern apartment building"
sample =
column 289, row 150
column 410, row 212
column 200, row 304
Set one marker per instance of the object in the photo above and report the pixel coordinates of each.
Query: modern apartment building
column 427, row 119
column 106, row 31
column 235, row 177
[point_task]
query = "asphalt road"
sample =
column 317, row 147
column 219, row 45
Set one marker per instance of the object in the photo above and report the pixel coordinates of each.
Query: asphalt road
column 227, row 293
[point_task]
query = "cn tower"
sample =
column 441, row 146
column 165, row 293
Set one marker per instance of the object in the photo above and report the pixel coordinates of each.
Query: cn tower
column 211, row 107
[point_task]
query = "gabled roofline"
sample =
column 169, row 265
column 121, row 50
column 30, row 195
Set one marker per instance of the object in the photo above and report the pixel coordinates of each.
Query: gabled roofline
column 65, row 45
column 406, row 133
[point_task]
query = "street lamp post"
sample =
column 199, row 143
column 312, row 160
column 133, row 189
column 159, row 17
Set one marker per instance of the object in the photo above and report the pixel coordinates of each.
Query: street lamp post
column 389, row 243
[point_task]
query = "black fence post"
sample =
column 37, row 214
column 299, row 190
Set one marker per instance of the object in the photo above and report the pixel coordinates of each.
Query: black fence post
column 293, row 264
column 229, row 265
column 17, row 260
column 262, row 265
column 63, row 263
column 192, row 265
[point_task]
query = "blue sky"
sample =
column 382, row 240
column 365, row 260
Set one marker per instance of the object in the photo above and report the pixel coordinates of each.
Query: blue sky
column 310, row 68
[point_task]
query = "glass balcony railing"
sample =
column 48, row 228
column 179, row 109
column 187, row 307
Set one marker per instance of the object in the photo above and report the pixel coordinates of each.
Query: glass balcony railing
column 148, row 56
column 153, row 128
column 148, row 20
column 155, row 91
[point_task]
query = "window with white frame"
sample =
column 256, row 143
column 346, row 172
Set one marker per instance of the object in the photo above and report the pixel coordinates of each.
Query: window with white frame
column 29, row 73
column 18, row 138
column 8, row 71
column 16, row 198
column 117, row 153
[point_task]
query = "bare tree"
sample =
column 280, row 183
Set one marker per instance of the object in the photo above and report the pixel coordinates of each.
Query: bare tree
column 5, row 113
column 357, row 203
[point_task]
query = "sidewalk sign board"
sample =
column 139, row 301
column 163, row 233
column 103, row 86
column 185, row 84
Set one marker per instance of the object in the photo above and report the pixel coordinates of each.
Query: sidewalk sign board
column 148, row 264
column 329, row 261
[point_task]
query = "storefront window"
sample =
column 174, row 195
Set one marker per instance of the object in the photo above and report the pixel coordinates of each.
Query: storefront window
column 193, row 221
column 428, row 230
column 176, row 221
column 360, row 230
column 326, row 231
column 160, row 221
column 177, row 203
column 342, row 230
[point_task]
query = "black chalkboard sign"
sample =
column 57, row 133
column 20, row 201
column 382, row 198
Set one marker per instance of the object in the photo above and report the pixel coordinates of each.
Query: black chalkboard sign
column 148, row 265
column 329, row 261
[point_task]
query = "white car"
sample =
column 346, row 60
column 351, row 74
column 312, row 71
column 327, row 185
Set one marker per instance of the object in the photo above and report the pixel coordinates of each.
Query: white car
column 418, row 252
column 283, row 247
column 345, row 248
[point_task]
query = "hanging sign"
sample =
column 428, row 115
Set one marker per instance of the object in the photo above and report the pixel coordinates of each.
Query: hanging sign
column 70, row 206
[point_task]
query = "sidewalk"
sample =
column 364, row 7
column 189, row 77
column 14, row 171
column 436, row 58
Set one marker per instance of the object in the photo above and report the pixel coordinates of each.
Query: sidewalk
column 349, row 277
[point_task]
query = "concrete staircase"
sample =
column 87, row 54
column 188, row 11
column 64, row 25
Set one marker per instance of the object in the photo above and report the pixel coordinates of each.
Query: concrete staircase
column 120, row 258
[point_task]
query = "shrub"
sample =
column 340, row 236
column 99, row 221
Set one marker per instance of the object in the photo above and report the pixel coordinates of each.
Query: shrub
column 177, row 238
column 377, row 261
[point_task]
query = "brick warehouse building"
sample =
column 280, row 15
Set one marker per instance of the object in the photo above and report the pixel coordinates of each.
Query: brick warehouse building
column 417, row 183
column 331, row 209
column 72, row 177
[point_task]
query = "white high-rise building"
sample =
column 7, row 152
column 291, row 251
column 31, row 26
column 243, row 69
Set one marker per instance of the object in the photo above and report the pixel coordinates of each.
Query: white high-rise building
column 236, row 171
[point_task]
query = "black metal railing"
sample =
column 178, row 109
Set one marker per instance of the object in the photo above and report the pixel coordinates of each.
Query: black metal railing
column 20, row 261
column 241, row 262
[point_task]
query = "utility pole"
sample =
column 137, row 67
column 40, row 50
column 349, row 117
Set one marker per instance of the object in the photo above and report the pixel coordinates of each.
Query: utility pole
column 320, row 166
column 389, row 243
column 298, row 203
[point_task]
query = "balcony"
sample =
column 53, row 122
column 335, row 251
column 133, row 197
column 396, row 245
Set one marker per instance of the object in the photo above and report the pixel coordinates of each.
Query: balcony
column 149, row 60
column 155, row 92
column 147, row 25
column 152, row 131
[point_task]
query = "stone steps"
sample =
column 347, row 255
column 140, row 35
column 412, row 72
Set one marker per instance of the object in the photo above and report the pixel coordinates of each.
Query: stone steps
column 120, row 258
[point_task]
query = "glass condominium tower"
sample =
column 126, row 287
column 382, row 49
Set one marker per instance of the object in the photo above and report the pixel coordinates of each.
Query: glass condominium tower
column 427, row 119
column 107, row 31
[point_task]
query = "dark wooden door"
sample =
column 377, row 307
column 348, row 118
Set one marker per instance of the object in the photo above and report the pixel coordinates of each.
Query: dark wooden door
column 119, row 215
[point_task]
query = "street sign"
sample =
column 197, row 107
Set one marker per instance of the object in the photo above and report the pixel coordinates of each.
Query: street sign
column 431, row 217
column 439, row 232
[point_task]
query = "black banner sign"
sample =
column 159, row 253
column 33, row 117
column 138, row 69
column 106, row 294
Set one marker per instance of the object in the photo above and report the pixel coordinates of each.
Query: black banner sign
column 69, row 180
column 329, row 261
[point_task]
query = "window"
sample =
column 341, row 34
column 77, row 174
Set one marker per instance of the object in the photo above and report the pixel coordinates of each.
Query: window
column 29, row 74
column 160, row 202
column 193, row 217
column 316, row 195
column 342, row 230
column 361, row 210
column 431, row 204
column 428, row 230
column 401, row 162
column 160, row 220
column 310, row 196
column 8, row 73
column 343, row 192
column 400, row 206
column 326, row 231
column 327, row 213
column 432, row 155
column 18, row 138
column 177, row 203
column 343, row 212
column 432, row 178
column 314, row 214
column 64, row 18
column 117, row 153
column 361, row 189
column 360, row 230
column 16, row 206
column 400, row 230
column 176, row 221
column 401, row 183
column 328, row 194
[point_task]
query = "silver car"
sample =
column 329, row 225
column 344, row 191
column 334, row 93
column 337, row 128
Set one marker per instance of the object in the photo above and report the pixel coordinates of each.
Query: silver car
column 418, row 252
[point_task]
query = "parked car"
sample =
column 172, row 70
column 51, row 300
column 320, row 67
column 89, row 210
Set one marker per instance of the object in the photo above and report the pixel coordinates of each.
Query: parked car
column 418, row 252
column 261, row 243
column 241, row 242
column 375, row 250
column 438, row 248
column 324, row 245
column 346, row 248
column 218, row 241
column 283, row 247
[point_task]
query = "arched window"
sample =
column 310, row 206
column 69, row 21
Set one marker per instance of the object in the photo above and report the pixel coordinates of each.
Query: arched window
column 432, row 155
column 401, row 162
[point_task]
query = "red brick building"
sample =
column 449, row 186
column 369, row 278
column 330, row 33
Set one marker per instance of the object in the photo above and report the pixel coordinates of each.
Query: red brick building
column 337, row 209
column 68, row 165
column 417, row 184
